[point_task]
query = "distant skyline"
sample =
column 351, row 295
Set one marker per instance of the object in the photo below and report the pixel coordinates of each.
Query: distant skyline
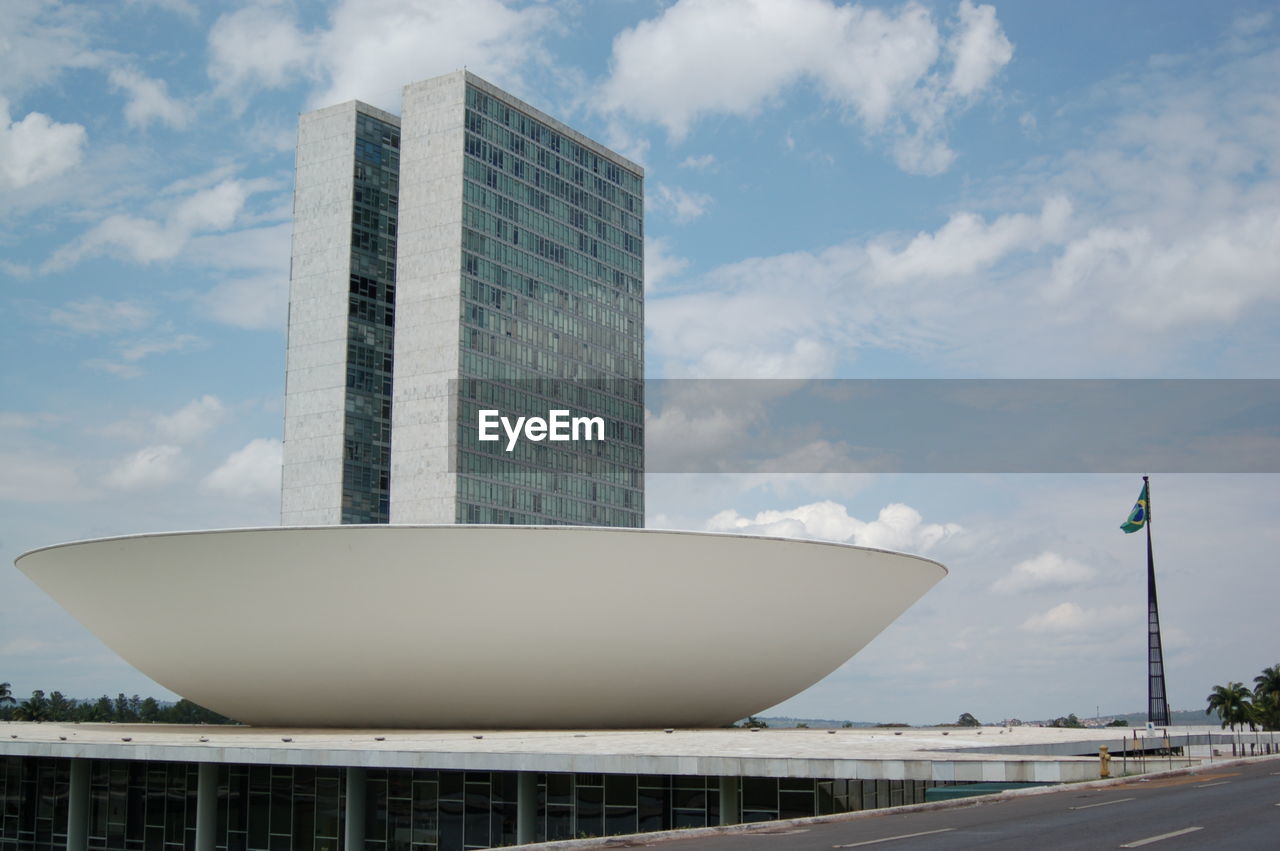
column 918, row 190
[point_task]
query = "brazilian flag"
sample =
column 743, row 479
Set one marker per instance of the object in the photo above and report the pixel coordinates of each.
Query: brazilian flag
column 1139, row 516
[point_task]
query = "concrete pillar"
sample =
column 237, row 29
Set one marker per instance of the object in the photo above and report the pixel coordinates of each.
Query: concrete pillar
column 526, row 807
column 78, row 806
column 730, row 811
column 353, row 835
column 206, row 806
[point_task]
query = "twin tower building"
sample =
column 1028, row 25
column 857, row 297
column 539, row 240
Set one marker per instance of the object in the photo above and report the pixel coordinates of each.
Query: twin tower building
column 472, row 254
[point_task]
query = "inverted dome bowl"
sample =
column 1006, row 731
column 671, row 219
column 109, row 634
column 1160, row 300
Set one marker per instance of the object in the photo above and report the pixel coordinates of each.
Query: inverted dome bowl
column 480, row 626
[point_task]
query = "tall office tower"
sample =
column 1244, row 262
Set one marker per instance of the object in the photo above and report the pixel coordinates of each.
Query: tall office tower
column 473, row 254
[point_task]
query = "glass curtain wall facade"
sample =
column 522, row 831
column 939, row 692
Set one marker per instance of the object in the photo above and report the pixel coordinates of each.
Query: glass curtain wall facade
column 144, row 805
column 552, row 317
column 366, row 469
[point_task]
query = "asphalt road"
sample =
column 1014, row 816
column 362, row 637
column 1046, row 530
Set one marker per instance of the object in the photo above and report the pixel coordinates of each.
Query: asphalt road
column 1228, row 808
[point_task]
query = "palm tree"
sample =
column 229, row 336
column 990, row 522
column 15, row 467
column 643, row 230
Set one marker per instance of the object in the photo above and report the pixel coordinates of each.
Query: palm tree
column 7, row 702
column 1266, row 697
column 35, row 708
column 1232, row 705
column 1268, row 682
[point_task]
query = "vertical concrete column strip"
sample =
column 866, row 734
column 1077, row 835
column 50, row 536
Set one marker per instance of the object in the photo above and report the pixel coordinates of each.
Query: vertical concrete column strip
column 78, row 806
column 353, row 835
column 206, row 806
column 730, row 811
column 526, row 807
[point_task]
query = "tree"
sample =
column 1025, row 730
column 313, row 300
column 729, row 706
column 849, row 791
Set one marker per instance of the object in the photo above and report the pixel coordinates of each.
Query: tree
column 967, row 720
column 1266, row 697
column 1118, row 722
column 60, row 708
column 104, row 710
column 1070, row 721
column 124, row 709
column 34, row 708
column 1232, row 704
column 7, row 702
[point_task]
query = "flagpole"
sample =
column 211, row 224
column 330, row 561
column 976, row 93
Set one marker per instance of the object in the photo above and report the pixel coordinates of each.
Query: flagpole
column 1157, row 702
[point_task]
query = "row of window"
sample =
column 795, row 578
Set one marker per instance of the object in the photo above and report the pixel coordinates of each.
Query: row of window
column 544, row 465
column 500, row 335
column 576, row 215
column 580, row 226
column 551, row 505
column 374, row 221
column 586, row 175
column 621, row 399
column 608, row 308
column 374, row 199
column 543, row 135
column 377, row 130
column 537, row 198
column 136, row 804
column 370, row 288
column 606, row 327
column 594, row 515
column 478, row 365
column 499, row 252
column 555, row 360
column 553, row 241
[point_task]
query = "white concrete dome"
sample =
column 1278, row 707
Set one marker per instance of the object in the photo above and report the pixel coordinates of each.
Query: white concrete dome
column 480, row 626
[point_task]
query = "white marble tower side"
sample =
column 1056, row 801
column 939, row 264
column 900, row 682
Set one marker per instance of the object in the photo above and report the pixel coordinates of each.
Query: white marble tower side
column 316, row 360
column 428, row 300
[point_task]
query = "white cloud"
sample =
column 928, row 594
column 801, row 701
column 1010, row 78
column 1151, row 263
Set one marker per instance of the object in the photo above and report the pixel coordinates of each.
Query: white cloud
column 1163, row 275
column 116, row 368
column 149, row 100
column 182, row 7
column 260, row 45
column 898, row 527
column 1047, row 570
column 370, row 48
column 256, row 295
column 701, row 163
column 149, row 467
column 979, row 49
column 251, row 470
column 1070, row 618
column 145, row 240
column 129, row 352
column 967, row 244
column 136, row 350
column 184, row 425
column 679, row 204
column 1162, row 229
column 39, row 477
column 96, row 315
column 258, row 303
column 886, row 70
column 39, row 40
column 659, row 263
column 191, row 421
column 22, row 420
column 36, row 148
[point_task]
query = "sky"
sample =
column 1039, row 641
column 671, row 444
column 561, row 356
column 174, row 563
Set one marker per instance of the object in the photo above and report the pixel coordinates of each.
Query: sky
column 834, row 190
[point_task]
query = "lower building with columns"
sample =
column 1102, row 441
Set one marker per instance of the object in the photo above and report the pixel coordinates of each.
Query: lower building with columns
column 201, row 788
